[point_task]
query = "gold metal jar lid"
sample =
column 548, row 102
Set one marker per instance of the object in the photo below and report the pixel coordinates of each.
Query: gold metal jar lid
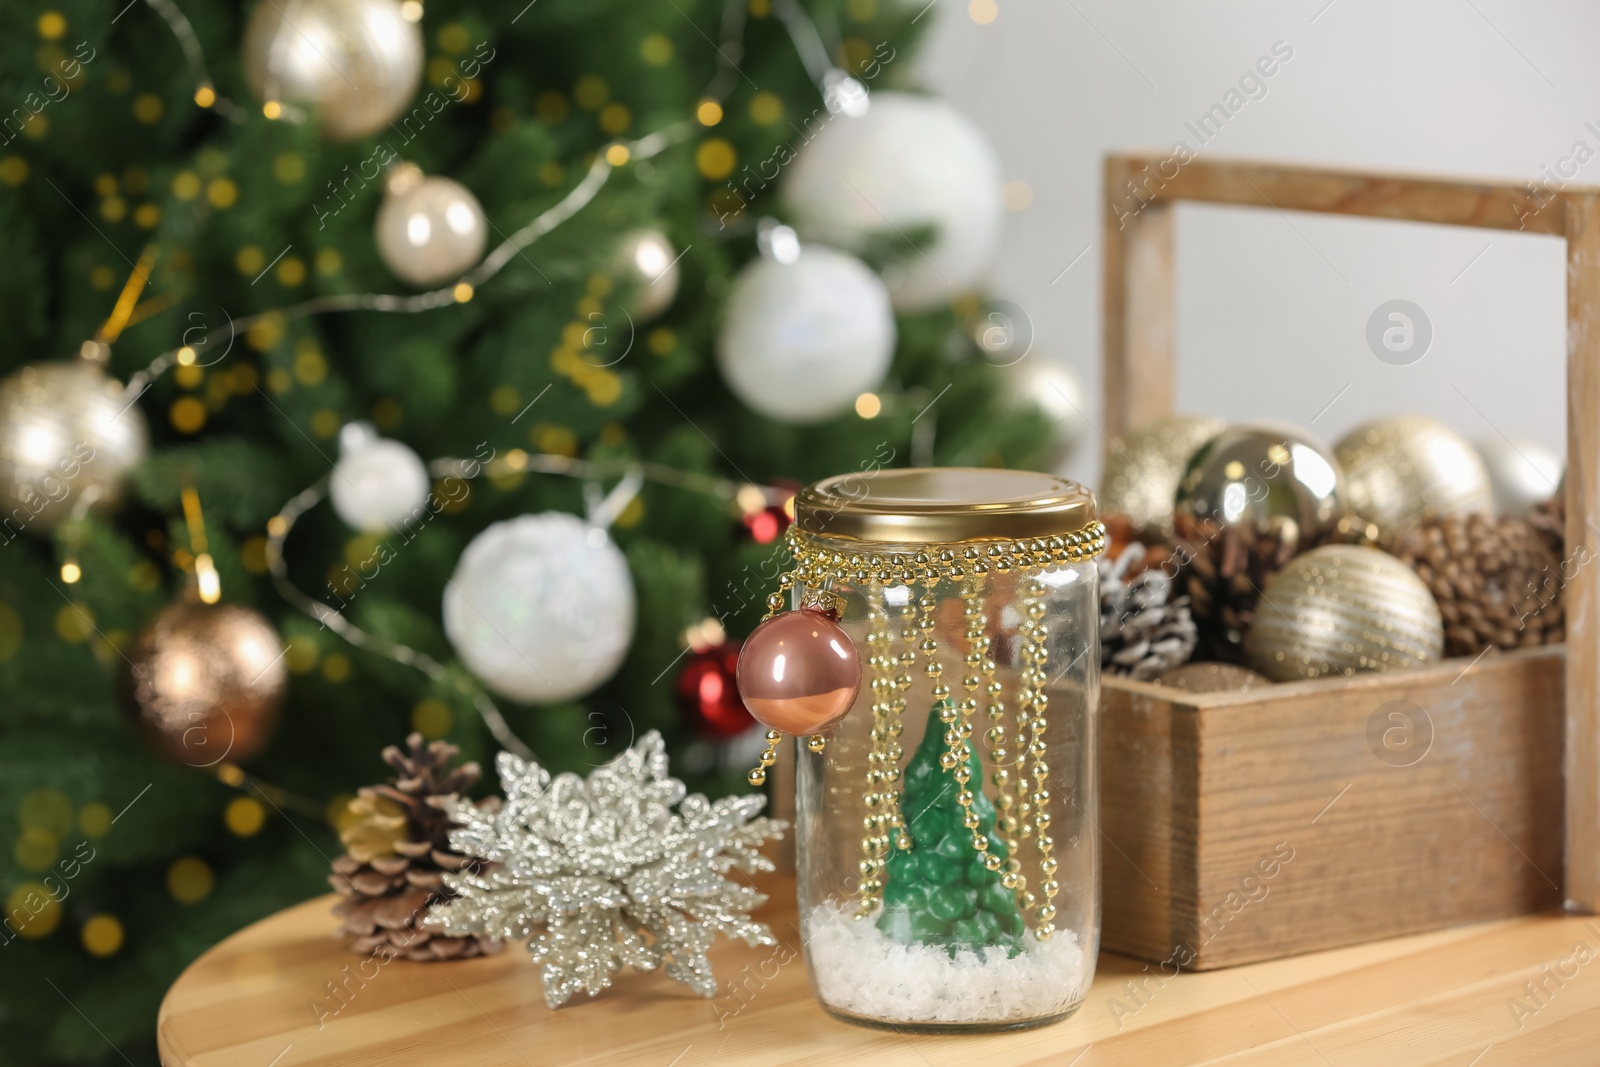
column 943, row 505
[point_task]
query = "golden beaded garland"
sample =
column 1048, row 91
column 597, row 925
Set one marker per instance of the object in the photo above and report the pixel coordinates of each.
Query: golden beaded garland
column 1020, row 774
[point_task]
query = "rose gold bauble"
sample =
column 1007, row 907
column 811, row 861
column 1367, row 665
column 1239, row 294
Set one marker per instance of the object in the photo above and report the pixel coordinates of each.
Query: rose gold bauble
column 798, row 672
column 203, row 682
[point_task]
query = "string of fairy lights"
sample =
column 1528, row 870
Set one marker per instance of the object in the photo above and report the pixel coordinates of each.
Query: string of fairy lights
column 833, row 84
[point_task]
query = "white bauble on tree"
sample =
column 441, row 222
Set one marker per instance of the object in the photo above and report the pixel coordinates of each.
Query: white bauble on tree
column 1522, row 474
column 908, row 162
column 68, row 434
column 1053, row 388
column 647, row 265
column 541, row 607
column 356, row 64
column 429, row 229
column 377, row 484
column 800, row 340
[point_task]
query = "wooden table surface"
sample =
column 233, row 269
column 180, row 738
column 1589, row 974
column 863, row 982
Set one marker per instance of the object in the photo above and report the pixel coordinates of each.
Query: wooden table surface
column 1449, row 997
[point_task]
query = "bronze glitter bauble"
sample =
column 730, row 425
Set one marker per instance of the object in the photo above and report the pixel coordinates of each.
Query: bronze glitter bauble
column 1142, row 470
column 1342, row 609
column 203, row 682
column 1402, row 470
column 1260, row 475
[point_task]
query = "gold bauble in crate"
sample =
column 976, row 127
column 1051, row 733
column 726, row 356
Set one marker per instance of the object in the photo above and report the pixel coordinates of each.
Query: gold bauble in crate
column 1143, row 466
column 67, row 435
column 203, row 682
column 1257, row 476
column 1402, row 470
column 1343, row 609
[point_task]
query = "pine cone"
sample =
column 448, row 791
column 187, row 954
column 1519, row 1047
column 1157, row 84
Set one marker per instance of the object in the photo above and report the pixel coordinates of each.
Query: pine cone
column 1496, row 581
column 1224, row 569
column 1143, row 631
column 396, row 852
column 1550, row 520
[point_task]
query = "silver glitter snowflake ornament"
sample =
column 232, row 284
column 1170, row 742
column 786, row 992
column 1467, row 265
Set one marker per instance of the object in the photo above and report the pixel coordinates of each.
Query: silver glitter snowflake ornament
column 603, row 873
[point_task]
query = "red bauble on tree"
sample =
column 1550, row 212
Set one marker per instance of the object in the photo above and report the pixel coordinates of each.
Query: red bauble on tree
column 766, row 515
column 709, row 695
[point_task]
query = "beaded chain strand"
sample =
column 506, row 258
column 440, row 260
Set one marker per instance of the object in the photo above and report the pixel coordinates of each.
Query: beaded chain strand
column 1023, row 806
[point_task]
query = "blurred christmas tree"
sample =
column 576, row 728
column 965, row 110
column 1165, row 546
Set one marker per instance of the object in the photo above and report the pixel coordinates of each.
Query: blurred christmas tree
column 133, row 147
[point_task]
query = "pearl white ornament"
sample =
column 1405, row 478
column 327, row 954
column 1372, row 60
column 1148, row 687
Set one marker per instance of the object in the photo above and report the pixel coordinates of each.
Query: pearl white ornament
column 355, row 63
column 909, row 161
column 541, row 607
column 1053, row 388
column 377, row 484
column 800, row 340
column 1522, row 474
column 67, row 435
column 648, row 266
column 429, row 229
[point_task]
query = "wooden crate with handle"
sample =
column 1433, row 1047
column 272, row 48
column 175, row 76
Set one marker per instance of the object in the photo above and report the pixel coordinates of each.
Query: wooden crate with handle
column 1247, row 826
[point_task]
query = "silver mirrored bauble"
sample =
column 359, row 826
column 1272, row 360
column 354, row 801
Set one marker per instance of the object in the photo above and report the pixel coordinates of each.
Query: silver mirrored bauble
column 378, row 484
column 1401, row 470
column 1522, row 474
column 1259, row 475
column 67, row 435
column 801, row 340
column 646, row 265
column 355, row 63
column 908, row 163
column 430, row 229
column 541, row 607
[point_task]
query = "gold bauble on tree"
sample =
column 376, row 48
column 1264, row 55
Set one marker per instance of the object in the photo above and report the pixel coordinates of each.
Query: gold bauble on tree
column 646, row 265
column 1343, row 609
column 1265, row 477
column 430, row 229
column 67, row 435
column 1401, row 470
column 355, row 64
column 203, row 682
column 1143, row 466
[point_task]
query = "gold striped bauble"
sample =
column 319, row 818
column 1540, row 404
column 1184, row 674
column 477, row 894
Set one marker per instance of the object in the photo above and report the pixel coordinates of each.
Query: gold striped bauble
column 1142, row 468
column 1401, row 470
column 1343, row 609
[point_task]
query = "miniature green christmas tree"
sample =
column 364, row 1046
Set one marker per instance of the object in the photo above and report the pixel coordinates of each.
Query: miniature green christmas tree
column 938, row 891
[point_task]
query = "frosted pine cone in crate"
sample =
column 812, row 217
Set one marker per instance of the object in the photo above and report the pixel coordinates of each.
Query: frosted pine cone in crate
column 397, row 850
column 1495, row 579
column 1144, row 630
column 617, row 870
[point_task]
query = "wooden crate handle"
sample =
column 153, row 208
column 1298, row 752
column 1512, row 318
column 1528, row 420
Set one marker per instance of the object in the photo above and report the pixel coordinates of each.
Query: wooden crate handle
column 1138, row 367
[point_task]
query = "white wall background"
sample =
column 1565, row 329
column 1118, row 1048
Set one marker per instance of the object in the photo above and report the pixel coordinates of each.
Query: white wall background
column 1272, row 309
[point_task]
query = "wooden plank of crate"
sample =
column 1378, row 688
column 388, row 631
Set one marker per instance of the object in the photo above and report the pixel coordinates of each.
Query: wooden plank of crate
column 1137, row 291
column 1485, row 204
column 1581, row 593
column 1142, row 801
column 1369, row 848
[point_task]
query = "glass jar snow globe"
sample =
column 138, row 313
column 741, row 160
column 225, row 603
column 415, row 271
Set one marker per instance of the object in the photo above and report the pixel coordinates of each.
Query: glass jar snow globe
column 948, row 862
